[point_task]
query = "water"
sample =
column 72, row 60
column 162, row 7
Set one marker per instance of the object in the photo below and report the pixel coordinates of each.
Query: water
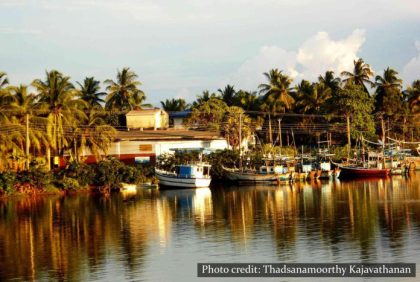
column 162, row 235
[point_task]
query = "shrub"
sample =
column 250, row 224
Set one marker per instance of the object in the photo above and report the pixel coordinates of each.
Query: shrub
column 68, row 183
column 36, row 176
column 7, row 182
column 128, row 174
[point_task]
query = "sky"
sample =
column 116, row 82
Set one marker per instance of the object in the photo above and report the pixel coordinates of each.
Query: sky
column 180, row 48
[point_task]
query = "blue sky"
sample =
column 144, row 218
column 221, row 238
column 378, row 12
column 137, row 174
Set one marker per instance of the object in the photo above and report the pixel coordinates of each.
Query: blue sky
column 179, row 48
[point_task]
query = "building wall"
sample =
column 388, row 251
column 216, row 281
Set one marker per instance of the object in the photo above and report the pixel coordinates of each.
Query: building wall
column 178, row 123
column 158, row 119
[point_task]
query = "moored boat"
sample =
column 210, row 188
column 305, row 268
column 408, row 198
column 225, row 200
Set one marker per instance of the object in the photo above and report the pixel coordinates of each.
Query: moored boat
column 356, row 171
column 185, row 176
column 264, row 174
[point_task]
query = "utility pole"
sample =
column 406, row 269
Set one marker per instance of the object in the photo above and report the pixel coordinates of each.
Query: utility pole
column 240, row 141
column 27, row 142
column 280, row 137
column 269, row 130
column 281, row 141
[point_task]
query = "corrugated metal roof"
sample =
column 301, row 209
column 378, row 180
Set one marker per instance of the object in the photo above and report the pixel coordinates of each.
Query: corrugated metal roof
column 144, row 112
column 179, row 134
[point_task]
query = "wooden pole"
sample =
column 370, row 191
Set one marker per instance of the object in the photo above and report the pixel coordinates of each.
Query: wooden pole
column 269, row 130
column 281, row 141
column 240, row 140
column 348, row 136
column 27, row 142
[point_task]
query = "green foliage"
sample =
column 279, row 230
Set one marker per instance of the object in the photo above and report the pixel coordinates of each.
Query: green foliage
column 340, row 152
column 226, row 158
column 354, row 102
column 68, row 183
column 37, row 176
column 208, row 115
column 83, row 173
column 111, row 172
column 7, row 182
column 128, row 174
column 169, row 161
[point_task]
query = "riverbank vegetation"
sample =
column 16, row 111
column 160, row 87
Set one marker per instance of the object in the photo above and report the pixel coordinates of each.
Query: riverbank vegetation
column 53, row 117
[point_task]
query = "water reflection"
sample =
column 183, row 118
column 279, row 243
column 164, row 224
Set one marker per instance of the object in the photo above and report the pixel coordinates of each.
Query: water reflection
column 88, row 237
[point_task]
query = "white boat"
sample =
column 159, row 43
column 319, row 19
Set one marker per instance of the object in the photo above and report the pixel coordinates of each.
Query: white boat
column 264, row 174
column 185, row 176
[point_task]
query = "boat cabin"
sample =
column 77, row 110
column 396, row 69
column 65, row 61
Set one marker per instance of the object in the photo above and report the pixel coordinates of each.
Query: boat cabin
column 277, row 169
column 193, row 171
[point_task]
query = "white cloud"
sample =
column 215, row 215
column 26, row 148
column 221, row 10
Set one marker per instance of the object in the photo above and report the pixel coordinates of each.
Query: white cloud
column 411, row 70
column 250, row 73
column 320, row 53
column 9, row 30
column 316, row 55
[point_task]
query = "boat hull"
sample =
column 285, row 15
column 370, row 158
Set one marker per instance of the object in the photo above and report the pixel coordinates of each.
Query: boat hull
column 250, row 177
column 363, row 172
column 326, row 174
column 169, row 180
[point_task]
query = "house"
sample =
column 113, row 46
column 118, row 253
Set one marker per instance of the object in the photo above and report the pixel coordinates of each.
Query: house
column 147, row 119
column 147, row 145
column 177, row 119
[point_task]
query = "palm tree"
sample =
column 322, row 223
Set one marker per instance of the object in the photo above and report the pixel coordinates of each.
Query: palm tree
column 228, row 94
column 57, row 102
column 124, row 94
column 90, row 92
column 204, row 97
column 277, row 92
column 247, row 100
column 311, row 97
column 360, row 75
column 330, row 81
column 22, row 112
column 236, row 120
column 3, row 80
column 94, row 134
column 412, row 95
column 387, row 85
column 174, row 105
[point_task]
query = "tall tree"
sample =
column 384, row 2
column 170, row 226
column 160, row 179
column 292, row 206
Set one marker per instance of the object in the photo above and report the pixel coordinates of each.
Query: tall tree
column 356, row 106
column 360, row 76
column 228, row 94
column 277, row 92
column 57, row 102
column 388, row 96
column 174, row 105
column 311, row 97
column 330, row 81
column 94, row 134
column 204, row 97
column 124, row 93
column 90, row 92
column 208, row 115
column 3, row 80
column 412, row 95
column 23, row 113
column 236, row 125
column 247, row 100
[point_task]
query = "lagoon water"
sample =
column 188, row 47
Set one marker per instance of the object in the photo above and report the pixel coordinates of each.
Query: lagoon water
column 162, row 235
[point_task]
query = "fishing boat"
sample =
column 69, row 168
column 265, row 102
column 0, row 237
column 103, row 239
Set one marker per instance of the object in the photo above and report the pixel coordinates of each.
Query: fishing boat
column 185, row 176
column 264, row 174
column 358, row 171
